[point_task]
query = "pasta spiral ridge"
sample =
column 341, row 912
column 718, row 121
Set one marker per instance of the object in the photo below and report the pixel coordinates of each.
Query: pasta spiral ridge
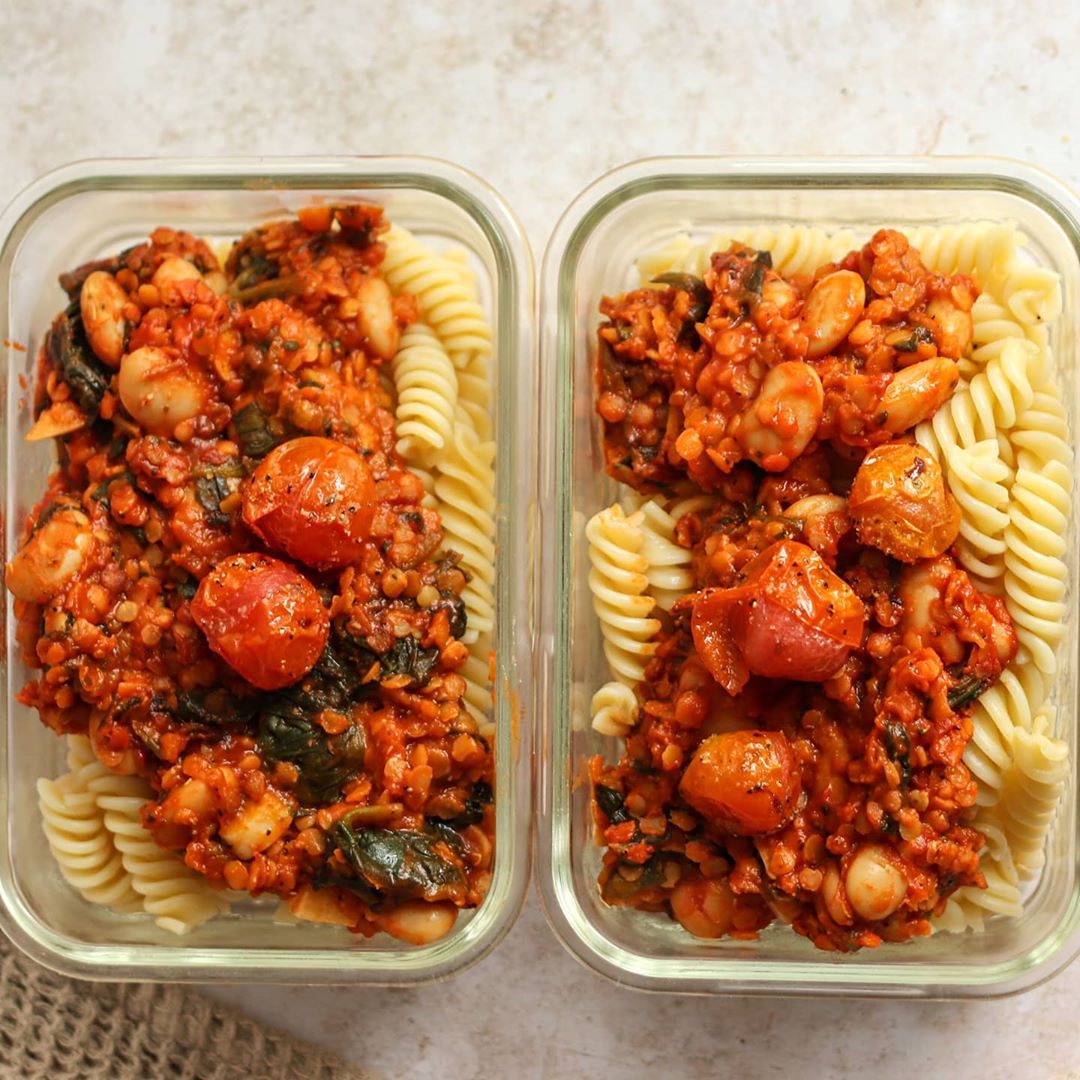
column 443, row 293
column 1035, row 571
column 982, row 248
column 465, row 488
column 621, row 599
column 1010, row 703
column 426, row 391
column 977, row 479
column 614, row 709
column 176, row 896
column 989, row 404
column 668, row 570
column 1032, row 791
column 1032, row 293
column 82, row 846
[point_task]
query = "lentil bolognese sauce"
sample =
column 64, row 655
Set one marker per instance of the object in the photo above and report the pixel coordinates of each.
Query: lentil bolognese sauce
column 233, row 585
column 797, row 755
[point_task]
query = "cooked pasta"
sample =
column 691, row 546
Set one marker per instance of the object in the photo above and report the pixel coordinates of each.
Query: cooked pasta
column 1035, row 544
column 1032, row 791
column 1011, row 703
column 614, row 708
column 465, row 488
column 178, row 898
column 427, row 393
column 1001, row 441
column 668, row 564
column 442, row 291
column 619, row 584
column 82, row 846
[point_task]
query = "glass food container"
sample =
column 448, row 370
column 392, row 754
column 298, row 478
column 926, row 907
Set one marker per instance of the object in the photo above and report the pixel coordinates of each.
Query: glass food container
column 91, row 209
column 627, row 213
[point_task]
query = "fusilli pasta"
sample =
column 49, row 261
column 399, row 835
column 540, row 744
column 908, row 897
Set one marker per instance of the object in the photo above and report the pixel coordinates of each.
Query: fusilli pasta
column 427, row 392
column 619, row 585
column 177, row 897
column 442, row 291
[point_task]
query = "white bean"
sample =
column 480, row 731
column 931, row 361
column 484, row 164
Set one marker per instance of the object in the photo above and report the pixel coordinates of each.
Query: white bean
column 51, row 556
column 257, row 825
column 832, row 309
column 917, row 392
column 170, row 273
column 101, row 304
column 376, row 317
column 956, row 328
column 159, row 390
column 418, row 922
column 875, row 884
column 779, row 424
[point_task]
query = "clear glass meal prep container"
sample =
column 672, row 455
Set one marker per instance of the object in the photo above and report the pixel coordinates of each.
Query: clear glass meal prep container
column 91, row 209
column 627, row 213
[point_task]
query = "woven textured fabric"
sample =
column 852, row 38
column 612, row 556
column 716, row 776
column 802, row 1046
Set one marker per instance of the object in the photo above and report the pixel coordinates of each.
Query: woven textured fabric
column 63, row 1029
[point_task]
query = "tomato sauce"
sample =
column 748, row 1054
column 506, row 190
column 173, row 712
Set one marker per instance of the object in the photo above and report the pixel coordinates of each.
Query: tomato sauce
column 798, row 755
column 255, row 612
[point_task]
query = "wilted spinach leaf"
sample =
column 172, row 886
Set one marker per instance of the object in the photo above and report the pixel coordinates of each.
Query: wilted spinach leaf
column 67, row 347
column 406, row 657
column 399, row 862
column 611, row 804
column 254, row 432
column 473, row 813
column 288, row 731
column 966, row 691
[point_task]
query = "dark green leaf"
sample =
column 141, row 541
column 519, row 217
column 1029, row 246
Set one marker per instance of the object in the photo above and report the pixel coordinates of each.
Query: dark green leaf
column 210, row 490
column 400, row 863
column 921, row 335
column 67, row 348
column 966, row 691
column 253, row 431
column 406, row 657
column 689, row 283
column 473, row 813
column 611, row 805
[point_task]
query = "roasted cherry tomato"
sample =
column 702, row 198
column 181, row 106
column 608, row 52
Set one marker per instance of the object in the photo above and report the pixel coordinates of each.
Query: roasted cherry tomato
column 900, row 505
column 746, row 782
column 791, row 618
column 313, row 499
column 263, row 617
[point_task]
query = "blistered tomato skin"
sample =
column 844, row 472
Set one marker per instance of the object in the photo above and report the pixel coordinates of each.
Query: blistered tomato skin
column 746, row 782
column 314, row 500
column 791, row 618
column 263, row 617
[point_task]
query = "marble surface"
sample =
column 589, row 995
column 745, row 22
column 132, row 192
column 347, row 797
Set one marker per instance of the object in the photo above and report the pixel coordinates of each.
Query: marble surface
column 539, row 99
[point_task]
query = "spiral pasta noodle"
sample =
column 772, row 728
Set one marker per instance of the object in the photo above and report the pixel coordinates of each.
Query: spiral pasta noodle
column 620, row 592
column 1032, row 791
column 614, row 708
column 442, row 291
column 426, row 392
column 978, row 480
column 177, row 897
column 1032, row 293
column 82, row 846
column 1011, row 703
column 1035, row 571
column 668, row 563
column 982, row 248
column 465, row 489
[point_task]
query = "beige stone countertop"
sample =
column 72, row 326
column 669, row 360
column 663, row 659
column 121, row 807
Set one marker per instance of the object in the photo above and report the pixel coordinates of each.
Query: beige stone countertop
column 539, row 99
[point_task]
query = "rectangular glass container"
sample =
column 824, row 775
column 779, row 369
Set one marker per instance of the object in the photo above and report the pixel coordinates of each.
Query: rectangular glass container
column 91, row 209
column 627, row 213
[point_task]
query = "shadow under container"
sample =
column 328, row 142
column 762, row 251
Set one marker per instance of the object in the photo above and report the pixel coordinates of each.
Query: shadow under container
column 626, row 214
column 92, row 209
